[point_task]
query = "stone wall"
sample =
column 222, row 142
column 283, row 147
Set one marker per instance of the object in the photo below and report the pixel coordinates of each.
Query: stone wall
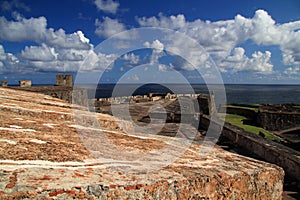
column 250, row 114
column 275, row 121
column 61, row 92
column 269, row 151
column 267, row 119
column 4, row 83
column 64, row 80
column 25, row 83
column 203, row 99
column 134, row 165
column 204, row 104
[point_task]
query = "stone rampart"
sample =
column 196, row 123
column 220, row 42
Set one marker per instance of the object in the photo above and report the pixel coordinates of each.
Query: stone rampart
column 151, row 97
column 4, row 83
column 275, row 121
column 64, row 80
column 50, row 149
column 269, row 151
column 251, row 114
column 61, row 92
column 25, row 83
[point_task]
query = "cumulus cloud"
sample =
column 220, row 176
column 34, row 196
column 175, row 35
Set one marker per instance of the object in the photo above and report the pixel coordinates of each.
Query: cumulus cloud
column 108, row 6
column 8, row 61
column 132, row 58
column 292, row 71
column 32, row 29
column 157, row 51
column 156, row 45
column 220, row 38
column 2, row 53
column 60, row 39
column 58, row 50
column 35, row 29
column 172, row 22
column 55, row 50
column 109, row 27
column 39, row 53
column 99, row 62
column 238, row 61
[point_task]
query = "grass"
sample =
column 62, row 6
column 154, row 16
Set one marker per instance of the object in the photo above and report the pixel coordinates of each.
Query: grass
column 237, row 120
column 243, row 107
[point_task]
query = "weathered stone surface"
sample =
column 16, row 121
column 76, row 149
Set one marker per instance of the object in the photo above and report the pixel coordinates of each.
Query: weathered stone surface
column 50, row 149
column 64, row 80
column 275, row 121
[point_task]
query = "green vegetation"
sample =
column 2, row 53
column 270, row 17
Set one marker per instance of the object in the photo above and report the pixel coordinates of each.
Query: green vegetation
column 243, row 107
column 237, row 120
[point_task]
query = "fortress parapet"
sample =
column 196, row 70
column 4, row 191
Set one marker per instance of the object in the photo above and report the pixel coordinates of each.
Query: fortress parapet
column 25, row 83
column 64, row 80
column 4, row 83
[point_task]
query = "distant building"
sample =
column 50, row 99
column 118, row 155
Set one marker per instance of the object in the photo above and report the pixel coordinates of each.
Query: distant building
column 25, row 83
column 64, row 80
column 4, row 83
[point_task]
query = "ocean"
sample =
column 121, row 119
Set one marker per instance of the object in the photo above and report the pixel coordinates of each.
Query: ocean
column 236, row 94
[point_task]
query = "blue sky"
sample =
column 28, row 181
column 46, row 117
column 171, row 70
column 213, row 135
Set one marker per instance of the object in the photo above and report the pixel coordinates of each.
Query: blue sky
column 250, row 41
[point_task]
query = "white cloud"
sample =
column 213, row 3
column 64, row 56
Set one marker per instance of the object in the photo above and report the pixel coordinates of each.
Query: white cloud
column 238, row 61
column 32, row 29
column 191, row 57
column 220, row 38
column 172, row 22
column 260, row 62
column 98, row 62
column 35, row 29
column 39, row 53
column 55, row 50
column 72, row 55
column 60, row 39
column 2, row 53
column 109, row 27
column 156, row 45
column 157, row 51
column 108, row 6
column 292, row 71
column 132, row 58
column 8, row 61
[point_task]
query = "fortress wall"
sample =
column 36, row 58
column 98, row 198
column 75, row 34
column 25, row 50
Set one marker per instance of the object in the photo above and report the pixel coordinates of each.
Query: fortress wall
column 242, row 111
column 61, row 92
column 4, row 83
column 25, row 83
column 275, row 121
column 269, row 120
column 145, row 98
column 125, row 99
column 47, row 170
column 71, row 95
column 64, row 80
column 270, row 151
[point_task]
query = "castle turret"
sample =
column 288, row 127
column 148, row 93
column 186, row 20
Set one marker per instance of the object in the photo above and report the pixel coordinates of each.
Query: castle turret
column 64, row 80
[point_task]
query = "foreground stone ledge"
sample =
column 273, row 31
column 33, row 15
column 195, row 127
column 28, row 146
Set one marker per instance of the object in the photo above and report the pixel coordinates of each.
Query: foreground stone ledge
column 217, row 175
column 44, row 154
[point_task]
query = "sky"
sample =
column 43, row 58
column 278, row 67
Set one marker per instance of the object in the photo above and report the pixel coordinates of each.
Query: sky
column 239, row 42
